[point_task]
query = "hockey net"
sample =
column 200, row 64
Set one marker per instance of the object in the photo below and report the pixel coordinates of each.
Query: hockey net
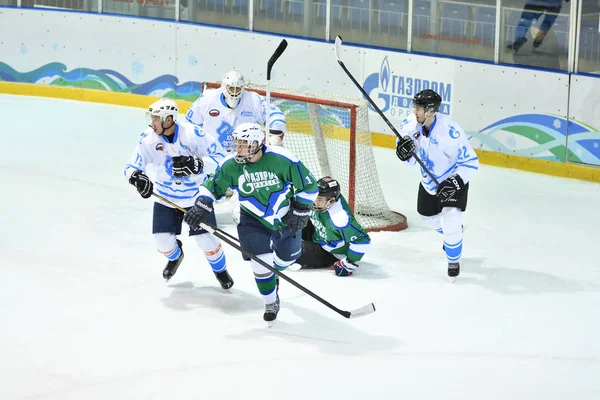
column 330, row 135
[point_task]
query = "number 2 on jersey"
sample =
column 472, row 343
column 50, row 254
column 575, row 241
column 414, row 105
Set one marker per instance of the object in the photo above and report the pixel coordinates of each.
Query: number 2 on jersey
column 462, row 153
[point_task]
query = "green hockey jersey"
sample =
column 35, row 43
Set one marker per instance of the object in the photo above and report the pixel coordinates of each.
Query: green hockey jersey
column 338, row 232
column 265, row 187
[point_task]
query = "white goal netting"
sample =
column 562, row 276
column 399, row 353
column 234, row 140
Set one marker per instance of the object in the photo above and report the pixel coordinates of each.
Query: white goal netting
column 331, row 135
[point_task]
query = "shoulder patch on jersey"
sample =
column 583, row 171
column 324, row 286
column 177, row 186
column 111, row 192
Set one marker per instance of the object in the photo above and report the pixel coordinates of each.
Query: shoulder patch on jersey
column 247, row 114
column 338, row 215
column 453, row 132
column 281, row 151
column 214, row 112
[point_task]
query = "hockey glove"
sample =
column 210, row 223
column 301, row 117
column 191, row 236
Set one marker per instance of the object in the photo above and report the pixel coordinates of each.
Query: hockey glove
column 276, row 137
column 142, row 183
column 297, row 216
column 187, row 165
column 344, row 267
column 449, row 190
column 405, row 148
column 199, row 214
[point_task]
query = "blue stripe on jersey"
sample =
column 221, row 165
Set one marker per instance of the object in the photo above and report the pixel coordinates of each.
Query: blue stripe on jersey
column 168, row 187
column 333, row 243
column 470, row 166
column 438, row 176
column 171, row 195
column 469, row 160
column 356, row 253
column 137, row 167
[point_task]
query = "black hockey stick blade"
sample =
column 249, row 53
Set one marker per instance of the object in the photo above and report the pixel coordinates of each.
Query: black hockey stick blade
column 278, row 52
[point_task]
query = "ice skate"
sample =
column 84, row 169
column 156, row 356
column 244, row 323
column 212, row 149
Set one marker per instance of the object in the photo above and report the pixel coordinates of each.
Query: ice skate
column 272, row 309
column 224, row 279
column 172, row 266
column 453, row 270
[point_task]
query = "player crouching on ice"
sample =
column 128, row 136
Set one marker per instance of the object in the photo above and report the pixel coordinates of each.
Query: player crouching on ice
column 275, row 190
column 182, row 156
column 333, row 238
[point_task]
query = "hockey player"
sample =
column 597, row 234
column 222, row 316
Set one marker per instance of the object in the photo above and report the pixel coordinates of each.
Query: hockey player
column 218, row 111
column 182, row 156
column 445, row 150
column 275, row 191
column 333, row 238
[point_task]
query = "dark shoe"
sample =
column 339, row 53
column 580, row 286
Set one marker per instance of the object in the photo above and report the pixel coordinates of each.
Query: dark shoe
column 517, row 44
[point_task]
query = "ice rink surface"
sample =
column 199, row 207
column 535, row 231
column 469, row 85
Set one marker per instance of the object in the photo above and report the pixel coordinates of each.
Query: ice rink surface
column 85, row 313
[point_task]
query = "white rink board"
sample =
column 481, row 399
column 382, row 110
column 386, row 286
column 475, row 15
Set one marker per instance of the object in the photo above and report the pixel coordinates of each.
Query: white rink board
column 506, row 109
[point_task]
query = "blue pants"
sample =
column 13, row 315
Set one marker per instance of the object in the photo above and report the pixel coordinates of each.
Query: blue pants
column 533, row 11
column 256, row 239
column 169, row 220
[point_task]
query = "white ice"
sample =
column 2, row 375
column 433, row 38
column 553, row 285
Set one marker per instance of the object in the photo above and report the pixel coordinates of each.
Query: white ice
column 85, row 313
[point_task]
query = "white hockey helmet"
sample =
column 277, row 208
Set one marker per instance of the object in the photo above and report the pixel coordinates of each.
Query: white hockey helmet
column 249, row 138
column 233, row 85
column 162, row 108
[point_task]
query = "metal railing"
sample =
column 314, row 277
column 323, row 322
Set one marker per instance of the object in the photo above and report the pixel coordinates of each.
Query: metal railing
column 485, row 27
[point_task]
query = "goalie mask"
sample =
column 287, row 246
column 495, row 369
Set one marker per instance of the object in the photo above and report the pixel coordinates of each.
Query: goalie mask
column 233, row 85
column 329, row 193
column 248, row 139
column 425, row 104
column 159, row 111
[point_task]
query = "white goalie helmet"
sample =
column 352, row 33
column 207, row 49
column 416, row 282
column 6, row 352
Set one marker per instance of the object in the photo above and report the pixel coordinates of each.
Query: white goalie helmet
column 233, row 84
column 249, row 138
column 163, row 108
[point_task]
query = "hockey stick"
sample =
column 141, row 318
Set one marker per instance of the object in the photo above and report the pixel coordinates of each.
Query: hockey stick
column 158, row 196
column 278, row 52
column 338, row 46
column 227, row 238
column 359, row 312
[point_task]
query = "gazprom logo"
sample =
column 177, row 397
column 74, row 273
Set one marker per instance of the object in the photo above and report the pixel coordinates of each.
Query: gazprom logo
column 384, row 74
column 397, row 91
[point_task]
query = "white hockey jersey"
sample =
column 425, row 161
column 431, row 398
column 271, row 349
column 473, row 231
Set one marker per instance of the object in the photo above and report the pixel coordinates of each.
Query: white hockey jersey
column 445, row 151
column 212, row 113
column 188, row 140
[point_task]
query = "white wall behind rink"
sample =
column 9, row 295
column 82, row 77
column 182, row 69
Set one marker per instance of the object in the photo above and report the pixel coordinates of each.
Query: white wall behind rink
column 475, row 94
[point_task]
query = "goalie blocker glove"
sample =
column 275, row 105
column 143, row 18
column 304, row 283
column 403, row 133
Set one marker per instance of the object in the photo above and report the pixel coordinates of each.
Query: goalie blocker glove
column 405, row 148
column 297, row 216
column 142, row 183
column 344, row 267
column 187, row 165
column 199, row 213
column 450, row 189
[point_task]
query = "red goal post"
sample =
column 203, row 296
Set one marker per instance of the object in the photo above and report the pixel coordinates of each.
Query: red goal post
column 331, row 135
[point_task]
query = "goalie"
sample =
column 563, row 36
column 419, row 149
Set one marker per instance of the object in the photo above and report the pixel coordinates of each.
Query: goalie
column 333, row 238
